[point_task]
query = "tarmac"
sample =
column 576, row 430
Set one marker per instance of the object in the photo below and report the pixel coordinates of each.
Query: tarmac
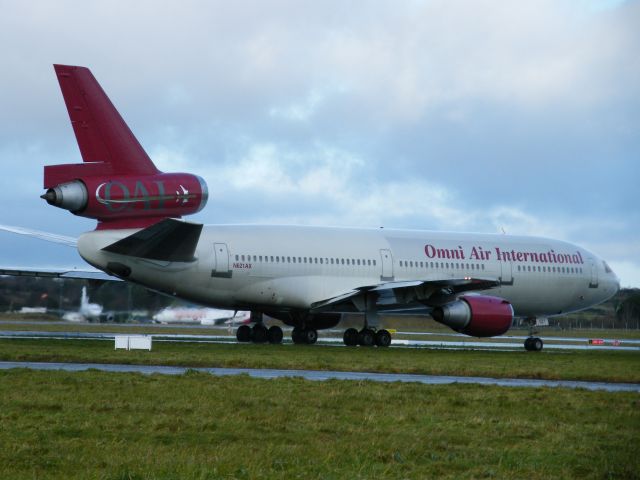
column 317, row 375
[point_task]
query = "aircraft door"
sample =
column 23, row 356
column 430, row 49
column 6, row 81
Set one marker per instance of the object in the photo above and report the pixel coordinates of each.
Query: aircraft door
column 593, row 282
column 221, row 261
column 387, row 264
column 506, row 272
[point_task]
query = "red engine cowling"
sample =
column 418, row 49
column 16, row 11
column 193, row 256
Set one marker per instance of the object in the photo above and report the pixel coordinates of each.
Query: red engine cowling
column 130, row 201
column 476, row 315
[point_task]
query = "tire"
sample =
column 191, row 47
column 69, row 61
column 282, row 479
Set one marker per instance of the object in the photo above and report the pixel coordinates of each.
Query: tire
column 350, row 337
column 243, row 334
column 310, row 336
column 383, row 338
column 259, row 333
column 274, row 334
column 366, row 337
column 527, row 344
column 536, row 344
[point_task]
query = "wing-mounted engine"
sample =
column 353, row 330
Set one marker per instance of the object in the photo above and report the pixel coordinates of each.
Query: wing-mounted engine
column 476, row 315
column 117, row 183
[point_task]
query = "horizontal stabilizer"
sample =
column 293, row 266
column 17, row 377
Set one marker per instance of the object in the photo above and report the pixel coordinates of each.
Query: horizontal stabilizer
column 52, row 272
column 49, row 237
column 169, row 240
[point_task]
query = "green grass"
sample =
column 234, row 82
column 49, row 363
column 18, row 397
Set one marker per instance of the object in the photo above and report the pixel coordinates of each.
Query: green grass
column 95, row 425
column 557, row 365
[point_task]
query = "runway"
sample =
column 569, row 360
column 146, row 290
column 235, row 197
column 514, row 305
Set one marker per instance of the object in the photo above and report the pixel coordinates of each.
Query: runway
column 318, row 375
column 507, row 343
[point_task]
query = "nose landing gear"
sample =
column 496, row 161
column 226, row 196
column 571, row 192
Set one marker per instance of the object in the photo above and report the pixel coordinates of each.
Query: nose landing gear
column 532, row 343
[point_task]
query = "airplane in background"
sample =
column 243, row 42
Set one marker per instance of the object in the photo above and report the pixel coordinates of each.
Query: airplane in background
column 88, row 311
column 203, row 316
column 307, row 277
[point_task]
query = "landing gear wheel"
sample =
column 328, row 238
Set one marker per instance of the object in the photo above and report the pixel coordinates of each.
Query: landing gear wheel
column 383, row 338
column 296, row 336
column 533, row 344
column 259, row 333
column 366, row 337
column 274, row 334
column 350, row 337
column 243, row 334
column 309, row 336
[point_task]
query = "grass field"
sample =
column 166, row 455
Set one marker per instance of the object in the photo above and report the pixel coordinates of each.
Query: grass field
column 556, row 365
column 95, row 425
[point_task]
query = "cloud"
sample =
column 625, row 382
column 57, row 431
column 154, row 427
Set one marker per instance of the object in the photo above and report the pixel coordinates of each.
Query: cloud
column 481, row 116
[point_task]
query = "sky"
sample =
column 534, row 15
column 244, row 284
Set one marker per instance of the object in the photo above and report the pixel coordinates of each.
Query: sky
column 486, row 116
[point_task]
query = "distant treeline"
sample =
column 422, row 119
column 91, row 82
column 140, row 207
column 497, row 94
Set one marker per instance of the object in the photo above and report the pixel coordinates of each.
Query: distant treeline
column 58, row 294
column 621, row 311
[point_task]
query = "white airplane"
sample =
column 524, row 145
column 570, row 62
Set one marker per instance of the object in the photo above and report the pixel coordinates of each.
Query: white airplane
column 307, row 277
column 203, row 316
column 88, row 311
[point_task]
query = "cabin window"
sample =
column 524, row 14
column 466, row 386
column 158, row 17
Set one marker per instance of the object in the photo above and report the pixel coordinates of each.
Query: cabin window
column 483, row 266
column 374, row 263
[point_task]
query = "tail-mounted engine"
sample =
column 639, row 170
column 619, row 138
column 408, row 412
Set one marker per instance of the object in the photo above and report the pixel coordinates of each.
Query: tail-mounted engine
column 476, row 315
column 128, row 200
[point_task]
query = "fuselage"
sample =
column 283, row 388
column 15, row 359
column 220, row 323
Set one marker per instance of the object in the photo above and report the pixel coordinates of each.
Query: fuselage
column 292, row 267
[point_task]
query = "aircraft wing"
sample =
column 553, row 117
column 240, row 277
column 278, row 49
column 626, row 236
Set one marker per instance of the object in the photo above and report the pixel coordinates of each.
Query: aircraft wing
column 75, row 273
column 412, row 294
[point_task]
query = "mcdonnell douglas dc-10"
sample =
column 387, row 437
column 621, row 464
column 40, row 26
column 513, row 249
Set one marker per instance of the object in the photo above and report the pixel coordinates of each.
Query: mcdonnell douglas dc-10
column 306, row 277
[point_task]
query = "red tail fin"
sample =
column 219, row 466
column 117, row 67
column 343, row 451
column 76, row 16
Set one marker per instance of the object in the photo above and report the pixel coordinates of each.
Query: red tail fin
column 117, row 184
column 102, row 134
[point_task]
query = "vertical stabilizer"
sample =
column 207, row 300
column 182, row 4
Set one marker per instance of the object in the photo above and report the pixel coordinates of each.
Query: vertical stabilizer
column 117, row 183
column 102, row 134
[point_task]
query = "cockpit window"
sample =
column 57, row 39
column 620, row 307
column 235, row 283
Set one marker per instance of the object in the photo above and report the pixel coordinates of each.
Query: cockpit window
column 606, row 268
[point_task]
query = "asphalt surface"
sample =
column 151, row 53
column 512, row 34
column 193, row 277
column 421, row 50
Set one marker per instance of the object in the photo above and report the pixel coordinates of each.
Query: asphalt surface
column 318, row 375
column 506, row 342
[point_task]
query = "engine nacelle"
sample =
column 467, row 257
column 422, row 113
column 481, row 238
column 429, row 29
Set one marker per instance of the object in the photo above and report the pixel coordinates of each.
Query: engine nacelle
column 476, row 315
column 121, row 198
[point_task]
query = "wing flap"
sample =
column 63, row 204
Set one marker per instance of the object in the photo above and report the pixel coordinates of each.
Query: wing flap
column 394, row 295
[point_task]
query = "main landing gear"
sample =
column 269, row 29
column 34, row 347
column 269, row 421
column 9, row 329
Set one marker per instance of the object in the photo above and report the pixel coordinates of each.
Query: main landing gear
column 259, row 333
column 366, row 337
column 369, row 335
column 301, row 335
column 532, row 343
